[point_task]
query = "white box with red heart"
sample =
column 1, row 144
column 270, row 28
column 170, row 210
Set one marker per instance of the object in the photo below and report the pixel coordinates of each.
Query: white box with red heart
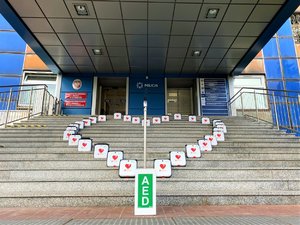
column 193, row 151
column 177, row 116
column 192, row 119
column 127, row 168
column 127, row 118
column 74, row 139
column 147, row 123
column 85, row 145
column 216, row 121
column 101, row 118
column 72, row 128
column 114, row 158
column 162, row 168
column 74, row 125
column 205, row 120
column 67, row 134
column 101, row 151
column 212, row 139
column 156, row 120
column 177, row 158
column 165, row 118
column 117, row 116
column 81, row 124
column 219, row 136
column 136, row 120
column 93, row 119
column 87, row 122
column 205, row 145
column 223, row 127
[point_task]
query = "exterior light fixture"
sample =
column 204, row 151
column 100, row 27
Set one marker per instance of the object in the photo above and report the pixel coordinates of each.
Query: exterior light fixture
column 196, row 53
column 81, row 9
column 212, row 13
column 97, row 51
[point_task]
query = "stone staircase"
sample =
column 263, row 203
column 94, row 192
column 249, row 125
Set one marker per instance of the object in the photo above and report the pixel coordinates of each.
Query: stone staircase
column 255, row 165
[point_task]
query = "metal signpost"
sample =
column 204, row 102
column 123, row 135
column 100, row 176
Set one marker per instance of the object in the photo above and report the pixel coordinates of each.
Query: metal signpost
column 145, row 182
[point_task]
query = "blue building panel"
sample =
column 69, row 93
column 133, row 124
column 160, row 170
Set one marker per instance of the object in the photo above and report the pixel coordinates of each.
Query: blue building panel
column 152, row 89
column 11, row 63
column 4, row 25
column 214, row 97
column 287, row 47
column 273, row 70
column 86, row 88
column 286, row 29
column 270, row 49
column 290, row 68
column 11, row 42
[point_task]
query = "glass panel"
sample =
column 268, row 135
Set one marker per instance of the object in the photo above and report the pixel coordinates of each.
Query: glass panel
column 179, row 101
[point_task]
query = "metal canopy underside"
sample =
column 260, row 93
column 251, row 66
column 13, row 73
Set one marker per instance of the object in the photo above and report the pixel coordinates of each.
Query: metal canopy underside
column 148, row 37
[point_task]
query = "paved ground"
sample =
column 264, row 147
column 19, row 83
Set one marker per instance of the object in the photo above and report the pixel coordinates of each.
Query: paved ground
column 185, row 215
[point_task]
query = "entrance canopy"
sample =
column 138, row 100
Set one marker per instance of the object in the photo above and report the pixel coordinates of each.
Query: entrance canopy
column 183, row 37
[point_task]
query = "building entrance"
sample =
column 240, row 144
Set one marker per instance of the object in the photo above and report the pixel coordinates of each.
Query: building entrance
column 181, row 96
column 111, row 96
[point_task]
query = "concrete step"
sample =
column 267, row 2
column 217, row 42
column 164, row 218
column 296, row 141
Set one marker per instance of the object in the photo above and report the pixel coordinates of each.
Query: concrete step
column 58, row 134
column 99, row 164
column 106, row 174
column 125, row 187
column 150, row 139
column 151, row 156
column 175, row 145
column 178, row 197
column 129, row 150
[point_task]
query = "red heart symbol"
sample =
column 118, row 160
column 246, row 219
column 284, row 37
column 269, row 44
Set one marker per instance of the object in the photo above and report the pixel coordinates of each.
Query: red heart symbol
column 192, row 118
column 211, row 139
column 205, row 120
column 204, row 143
column 101, row 150
column 68, row 134
column 84, row 144
column 127, row 166
column 178, row 156
column 101, row 118
column 85, row 122
column 162, row 166
column 219, row 135
column 156, row 120
column 114, row 157
column 193, row 149
column 74, row 139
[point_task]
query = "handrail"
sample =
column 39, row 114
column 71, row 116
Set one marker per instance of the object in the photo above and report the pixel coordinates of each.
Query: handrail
column 23, row 85
column 21, row 103
column 261, row 89
column 278, row 107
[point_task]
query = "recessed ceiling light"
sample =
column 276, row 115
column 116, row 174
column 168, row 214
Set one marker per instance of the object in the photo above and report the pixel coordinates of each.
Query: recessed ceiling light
column 97, row 51
column 212, row 13
column 196, row 53
column 81, row 9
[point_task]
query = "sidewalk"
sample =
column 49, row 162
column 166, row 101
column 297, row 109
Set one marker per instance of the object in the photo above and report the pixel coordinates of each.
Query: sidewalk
column 189, row 215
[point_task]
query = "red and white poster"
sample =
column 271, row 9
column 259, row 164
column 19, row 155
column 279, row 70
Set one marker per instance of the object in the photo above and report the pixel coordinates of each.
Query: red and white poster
column 75, row 99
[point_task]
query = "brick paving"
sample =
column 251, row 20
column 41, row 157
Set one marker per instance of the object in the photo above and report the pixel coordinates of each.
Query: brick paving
column 169, row 215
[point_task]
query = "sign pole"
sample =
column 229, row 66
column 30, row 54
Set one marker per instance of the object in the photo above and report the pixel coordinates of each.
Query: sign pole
column 145, row 134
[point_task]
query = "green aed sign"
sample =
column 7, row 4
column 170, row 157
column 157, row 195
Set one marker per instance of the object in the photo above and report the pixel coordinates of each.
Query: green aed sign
column 145, row 192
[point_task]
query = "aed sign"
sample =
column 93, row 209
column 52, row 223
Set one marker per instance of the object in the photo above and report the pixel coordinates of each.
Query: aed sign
column 145, row 192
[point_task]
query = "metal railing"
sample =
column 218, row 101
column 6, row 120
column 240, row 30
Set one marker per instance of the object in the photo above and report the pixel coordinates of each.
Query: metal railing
column 278, row 107
column 18, row 102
